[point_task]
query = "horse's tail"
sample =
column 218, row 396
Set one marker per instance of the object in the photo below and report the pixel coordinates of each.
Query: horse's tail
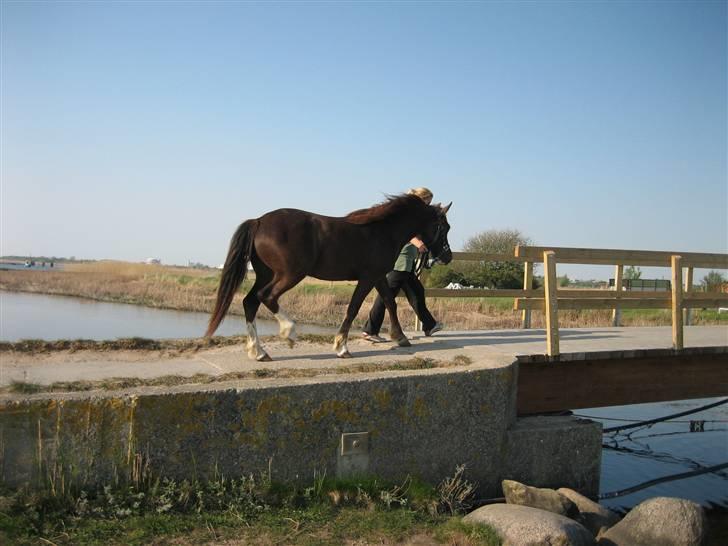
column 233, row 272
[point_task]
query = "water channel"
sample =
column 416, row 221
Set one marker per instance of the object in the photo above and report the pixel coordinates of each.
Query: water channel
column 38, row 316
column 645, row 454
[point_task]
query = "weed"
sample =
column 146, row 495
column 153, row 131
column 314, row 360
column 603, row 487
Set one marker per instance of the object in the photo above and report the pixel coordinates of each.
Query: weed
column 456, row 493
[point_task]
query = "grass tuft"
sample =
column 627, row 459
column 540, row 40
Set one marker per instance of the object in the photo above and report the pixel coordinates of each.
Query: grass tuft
column 23, row 387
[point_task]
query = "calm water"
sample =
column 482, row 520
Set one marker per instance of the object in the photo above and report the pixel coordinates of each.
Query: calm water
column 663, row 449
column 37, row 316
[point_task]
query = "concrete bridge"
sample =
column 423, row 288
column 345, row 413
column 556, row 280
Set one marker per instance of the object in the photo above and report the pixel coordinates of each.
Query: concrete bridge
column 455, row 398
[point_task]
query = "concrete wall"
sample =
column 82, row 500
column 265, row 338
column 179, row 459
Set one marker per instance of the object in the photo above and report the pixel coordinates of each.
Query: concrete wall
column 415, row 423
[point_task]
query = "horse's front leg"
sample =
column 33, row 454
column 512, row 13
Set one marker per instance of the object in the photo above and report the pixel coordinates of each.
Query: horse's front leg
column 396, row 332
column 342, row 336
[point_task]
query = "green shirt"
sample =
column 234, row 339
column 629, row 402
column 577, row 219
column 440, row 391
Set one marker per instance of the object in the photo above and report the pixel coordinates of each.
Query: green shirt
column 406, row 259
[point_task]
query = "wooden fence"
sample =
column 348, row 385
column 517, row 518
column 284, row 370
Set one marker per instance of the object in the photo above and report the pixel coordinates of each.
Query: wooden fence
column 550, row 298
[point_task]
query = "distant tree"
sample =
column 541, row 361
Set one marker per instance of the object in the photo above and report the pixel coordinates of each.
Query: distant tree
column 496, row 241
column 442, row 275
column 713, row 281
column 564, row 281
column 496, row 274
column 487, row 274
column 632, row 272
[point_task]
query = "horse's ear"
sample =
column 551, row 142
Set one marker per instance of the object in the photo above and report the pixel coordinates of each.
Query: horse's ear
column 447, row 208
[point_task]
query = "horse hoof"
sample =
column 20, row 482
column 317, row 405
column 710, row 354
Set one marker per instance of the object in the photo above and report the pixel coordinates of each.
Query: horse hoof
column 265, row 357
column 404, row 342
column 345, row 354
column 291, row 342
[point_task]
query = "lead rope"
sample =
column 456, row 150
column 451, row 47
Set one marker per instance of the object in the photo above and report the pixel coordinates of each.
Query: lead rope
column 421, row 262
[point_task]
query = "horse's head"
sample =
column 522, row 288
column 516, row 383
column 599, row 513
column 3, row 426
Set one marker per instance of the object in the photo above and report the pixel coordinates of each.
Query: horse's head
column 435, row 236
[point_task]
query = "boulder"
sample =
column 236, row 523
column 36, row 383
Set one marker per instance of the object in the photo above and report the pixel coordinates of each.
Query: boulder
column 592, row 515
column 535, row 497
column 525, row 526
column 662, row 520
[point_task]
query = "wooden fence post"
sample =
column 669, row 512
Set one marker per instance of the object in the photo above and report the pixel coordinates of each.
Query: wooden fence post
column 688, row 313
column 677, row 316
column 527, row 285
column 551, row 304
column 617, row 312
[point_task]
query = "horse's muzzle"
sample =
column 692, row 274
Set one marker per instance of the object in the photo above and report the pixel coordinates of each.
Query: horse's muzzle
column 445, row 254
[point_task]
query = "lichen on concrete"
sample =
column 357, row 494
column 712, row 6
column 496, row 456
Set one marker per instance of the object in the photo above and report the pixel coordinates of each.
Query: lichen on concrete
column 420, row 424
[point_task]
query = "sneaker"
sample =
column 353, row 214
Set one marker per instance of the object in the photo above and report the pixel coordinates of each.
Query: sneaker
column 436, row 328
column 374, row 338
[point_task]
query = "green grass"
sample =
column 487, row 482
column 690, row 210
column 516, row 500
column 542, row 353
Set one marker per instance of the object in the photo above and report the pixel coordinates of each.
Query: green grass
column 250, row 510
column 710, row 316
column 312, row 289
column 700, row 316
column 318, row 525
column 23, row 387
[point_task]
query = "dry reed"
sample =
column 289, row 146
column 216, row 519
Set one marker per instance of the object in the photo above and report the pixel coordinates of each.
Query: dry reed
column 313, row 301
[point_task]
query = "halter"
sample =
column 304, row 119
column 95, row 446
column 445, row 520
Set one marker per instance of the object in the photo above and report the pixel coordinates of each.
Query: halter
column 423, row 258
column 445, row 245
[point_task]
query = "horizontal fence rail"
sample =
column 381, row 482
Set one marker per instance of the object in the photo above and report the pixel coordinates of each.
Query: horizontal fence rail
column 680, row 299
column 602, row 256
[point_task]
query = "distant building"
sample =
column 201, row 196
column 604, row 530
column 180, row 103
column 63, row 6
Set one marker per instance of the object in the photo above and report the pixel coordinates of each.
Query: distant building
column 644, row 285
column 153, row 261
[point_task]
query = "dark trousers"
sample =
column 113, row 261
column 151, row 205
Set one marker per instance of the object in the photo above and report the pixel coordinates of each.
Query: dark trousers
column 415, row 293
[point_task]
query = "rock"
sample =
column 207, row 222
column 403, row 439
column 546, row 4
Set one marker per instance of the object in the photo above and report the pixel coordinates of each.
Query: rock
column 526, row 526
column 662, row 520
column 545, row 499
column 592, row 515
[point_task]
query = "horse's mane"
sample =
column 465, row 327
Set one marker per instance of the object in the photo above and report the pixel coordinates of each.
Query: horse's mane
column 392, row 206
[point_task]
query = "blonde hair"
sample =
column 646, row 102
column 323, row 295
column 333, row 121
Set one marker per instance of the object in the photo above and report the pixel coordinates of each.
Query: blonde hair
column 423, row 193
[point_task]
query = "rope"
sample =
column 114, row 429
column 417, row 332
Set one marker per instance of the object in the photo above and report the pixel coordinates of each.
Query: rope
column 421, row 263
column 665, row 418
column 672, row 477
column 639, row 421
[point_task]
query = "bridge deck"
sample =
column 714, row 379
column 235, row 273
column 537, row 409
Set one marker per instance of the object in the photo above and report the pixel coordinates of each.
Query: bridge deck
column 481, row 349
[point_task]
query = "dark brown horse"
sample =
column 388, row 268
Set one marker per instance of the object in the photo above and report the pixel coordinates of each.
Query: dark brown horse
column 286, row 245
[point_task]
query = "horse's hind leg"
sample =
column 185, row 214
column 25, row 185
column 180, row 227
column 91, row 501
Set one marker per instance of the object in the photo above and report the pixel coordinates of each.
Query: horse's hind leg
column 251, row 302
column 270, row 294
column 342, row 336
column 287, row 328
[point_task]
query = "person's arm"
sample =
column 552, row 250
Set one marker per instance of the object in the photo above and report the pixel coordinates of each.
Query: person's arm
column 421, row 246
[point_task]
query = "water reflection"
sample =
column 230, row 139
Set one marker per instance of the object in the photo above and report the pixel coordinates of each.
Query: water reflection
column 679, row 445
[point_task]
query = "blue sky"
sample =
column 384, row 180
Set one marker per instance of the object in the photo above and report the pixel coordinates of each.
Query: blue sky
column 152, row 129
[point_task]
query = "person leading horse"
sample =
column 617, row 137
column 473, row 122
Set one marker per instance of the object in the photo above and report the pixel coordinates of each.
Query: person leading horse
column 286, row 245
